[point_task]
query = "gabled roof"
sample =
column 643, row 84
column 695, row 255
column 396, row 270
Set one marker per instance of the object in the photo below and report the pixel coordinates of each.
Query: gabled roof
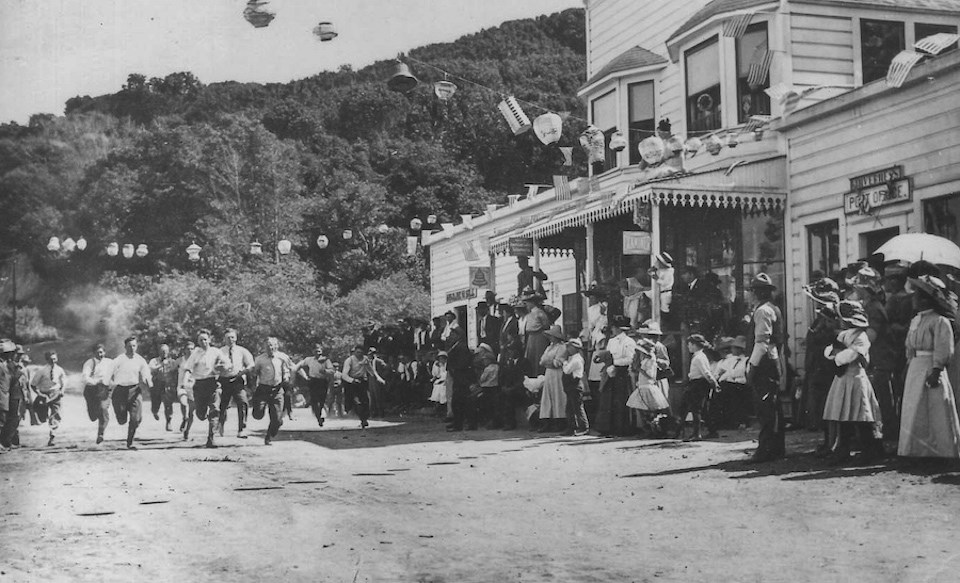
column 633, row 58
column 712, row 9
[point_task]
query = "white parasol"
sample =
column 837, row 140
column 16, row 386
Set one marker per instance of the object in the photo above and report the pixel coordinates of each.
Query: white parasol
column 913, row 247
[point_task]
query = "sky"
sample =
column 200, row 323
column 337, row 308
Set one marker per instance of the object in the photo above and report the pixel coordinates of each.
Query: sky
column 51, row 50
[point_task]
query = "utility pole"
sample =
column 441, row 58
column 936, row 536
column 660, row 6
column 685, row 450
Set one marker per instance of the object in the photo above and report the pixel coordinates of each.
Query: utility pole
column 14, row 282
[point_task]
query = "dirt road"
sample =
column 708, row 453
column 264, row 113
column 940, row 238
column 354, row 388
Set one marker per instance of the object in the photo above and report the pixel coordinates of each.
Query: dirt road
column 409, row 502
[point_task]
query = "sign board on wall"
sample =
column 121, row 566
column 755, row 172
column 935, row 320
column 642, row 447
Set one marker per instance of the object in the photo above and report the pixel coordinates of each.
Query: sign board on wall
column 520, row 246
column 461, row 295
column 481, row 277
column 880, row 195
column 642, row 216
column 636, row 243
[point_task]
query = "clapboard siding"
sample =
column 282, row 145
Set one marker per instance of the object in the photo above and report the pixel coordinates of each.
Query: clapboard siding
column 822, row 52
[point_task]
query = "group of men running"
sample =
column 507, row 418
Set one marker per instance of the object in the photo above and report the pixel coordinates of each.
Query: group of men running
column 205, row 380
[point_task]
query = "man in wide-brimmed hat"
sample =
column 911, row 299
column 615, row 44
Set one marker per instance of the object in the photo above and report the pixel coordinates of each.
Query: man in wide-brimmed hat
column 765, row 370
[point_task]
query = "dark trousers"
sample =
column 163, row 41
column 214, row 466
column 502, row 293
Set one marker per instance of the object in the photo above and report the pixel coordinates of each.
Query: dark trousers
column 613, row 416
column 771, row 443
column 98, row 405
column 510, row 399
column 464, row 405
column 488, row 405
column 234, row 389
column 356, row 396
column 693, row 400
column 160, row 395
column 127, row 403
column 269, row 399
column 882, row 381
column 206, row 394
column 10, row 433
column 576, row 415
column 318, row 396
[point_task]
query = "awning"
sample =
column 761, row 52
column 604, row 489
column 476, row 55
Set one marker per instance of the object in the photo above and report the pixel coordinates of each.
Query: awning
column 696, row 195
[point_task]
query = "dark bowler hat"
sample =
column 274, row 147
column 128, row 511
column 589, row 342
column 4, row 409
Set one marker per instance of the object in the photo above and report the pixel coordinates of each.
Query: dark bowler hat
column 620, row 322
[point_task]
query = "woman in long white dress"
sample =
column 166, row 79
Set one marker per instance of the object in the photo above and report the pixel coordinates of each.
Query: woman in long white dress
column 647, row 398
column 439, row 374
column 929, row 424
column 553, row 401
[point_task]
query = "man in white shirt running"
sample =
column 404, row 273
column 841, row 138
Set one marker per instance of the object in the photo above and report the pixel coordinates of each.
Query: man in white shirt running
column 49, row 381
column 130, row 374
column 203, row 366
column 96, row 375
column 233, row 381
column 271, row 369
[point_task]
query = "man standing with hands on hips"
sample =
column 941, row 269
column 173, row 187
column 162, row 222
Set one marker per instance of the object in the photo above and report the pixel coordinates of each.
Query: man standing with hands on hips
column 130, row 374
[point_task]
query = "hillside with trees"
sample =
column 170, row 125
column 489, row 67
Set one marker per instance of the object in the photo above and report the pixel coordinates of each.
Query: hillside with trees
column 168, row 162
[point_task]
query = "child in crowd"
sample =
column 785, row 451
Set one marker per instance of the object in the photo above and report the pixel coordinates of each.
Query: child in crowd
column 648, row 398
column 573, row 369
column 439, row 375
column 734, row 394
column 699, row 384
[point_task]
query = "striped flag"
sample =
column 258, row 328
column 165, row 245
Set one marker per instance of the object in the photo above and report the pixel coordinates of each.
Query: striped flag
column 789, row 102
column 900, row 67
column 737, row 25
column 561, row 187
column 759, row 70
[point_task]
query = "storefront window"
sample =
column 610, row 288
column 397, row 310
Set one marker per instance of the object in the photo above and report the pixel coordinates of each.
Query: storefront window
column 880, row 41
column 703, row 87
column 941, row 216
column 922, row 31
column 753, row 73
column 604, row 116
column 642, row 116
column 870, row 242
column 823, row 249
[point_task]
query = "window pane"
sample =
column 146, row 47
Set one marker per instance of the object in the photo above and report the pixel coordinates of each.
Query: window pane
column 823, row 247
column 941, row 216
column 605, row 111
column 880, row 41
column 753, row 73
column 641, row 115
column 922, row 31
column 703, row 87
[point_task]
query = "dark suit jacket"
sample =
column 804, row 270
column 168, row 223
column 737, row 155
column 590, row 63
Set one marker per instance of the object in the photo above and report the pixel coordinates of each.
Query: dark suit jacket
column 493, row 325
column 510, row 339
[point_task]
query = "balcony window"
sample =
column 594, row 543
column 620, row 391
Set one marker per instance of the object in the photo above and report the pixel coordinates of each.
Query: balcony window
column 702, row 65
column 642, row 116
column 603, row 113
column 923, row 30
column 880, row 41
column 753, row 73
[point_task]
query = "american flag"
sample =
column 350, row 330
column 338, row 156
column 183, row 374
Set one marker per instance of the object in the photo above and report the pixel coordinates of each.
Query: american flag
column 737, row 25
column 760, row 70
column 561, row 186
column 900, row 67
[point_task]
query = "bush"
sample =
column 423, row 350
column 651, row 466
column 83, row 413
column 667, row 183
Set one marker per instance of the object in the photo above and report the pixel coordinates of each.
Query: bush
column 30, row 326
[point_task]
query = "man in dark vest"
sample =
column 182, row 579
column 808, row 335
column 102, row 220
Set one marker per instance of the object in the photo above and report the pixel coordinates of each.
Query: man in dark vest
column 764, row 370
column 488, row 327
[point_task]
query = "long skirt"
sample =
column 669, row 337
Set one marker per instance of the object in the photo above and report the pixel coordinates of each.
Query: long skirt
column 851, row 398
column 929, row 424
column 439, row 394
column 648, row 396
column 613, row 416
column 553, row 401
column 537, row 343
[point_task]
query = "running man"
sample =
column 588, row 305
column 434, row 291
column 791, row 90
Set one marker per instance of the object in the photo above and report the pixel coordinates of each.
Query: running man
column 49, row 381
column 96, row 374
column 233, row 381
column 318, row 372
column 130, row 374
column 185, row 391
column 272, row 370
column 164, row 392
column 203, row 366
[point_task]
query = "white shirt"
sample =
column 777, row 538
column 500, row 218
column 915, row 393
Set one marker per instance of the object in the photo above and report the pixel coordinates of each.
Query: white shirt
column 128, row 371
column 700, row 368
column 763, row 318
column 733, row 369
column 202, row 364
column 49, row 380
column 238, row 360
column 622, row 348
column 574, row 366
column 97, row 372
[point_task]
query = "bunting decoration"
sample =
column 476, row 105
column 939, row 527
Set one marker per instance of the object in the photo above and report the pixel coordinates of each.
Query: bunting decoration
column 900, row 67
column 937, row 43
column 511, row 111
column 737, row 25
column 759, row 70
column 561, row 187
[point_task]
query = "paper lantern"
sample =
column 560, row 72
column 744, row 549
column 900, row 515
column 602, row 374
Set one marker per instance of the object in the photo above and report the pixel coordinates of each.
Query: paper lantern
column 444, row 90
column 113, row 249
column 142, row 250
column 53, row 244
column 323, row 242
column 653, row 150
column 593, row 142
column 518, row 121
column 256, row 248
column 347, row 234
column 69, row 245
column 693, row 146
column 431, row 219
column 81, row 244
column 548, row 128
column 128, row 251
column 325, row 31
column 383, row 228
column 193, row 252
column 416, row 224
column 618, row 142
column 713, row 144
column 284, row 246
column 257, row 14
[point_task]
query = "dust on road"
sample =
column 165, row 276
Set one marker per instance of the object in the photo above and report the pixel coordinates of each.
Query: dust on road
column 409, row 502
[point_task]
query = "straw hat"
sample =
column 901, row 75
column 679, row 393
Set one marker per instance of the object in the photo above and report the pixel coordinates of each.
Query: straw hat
column 576, row 343
column 664, row 259
column 935, row 288
column 851, row 312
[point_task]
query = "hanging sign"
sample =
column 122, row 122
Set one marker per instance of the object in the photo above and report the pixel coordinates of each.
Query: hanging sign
column 636, row 243
column 481, row 277
column 520, row 246
column 878, row 189
column 461, row 295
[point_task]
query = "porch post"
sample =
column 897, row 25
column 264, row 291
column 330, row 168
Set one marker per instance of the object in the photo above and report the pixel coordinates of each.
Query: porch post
column 654, row 249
